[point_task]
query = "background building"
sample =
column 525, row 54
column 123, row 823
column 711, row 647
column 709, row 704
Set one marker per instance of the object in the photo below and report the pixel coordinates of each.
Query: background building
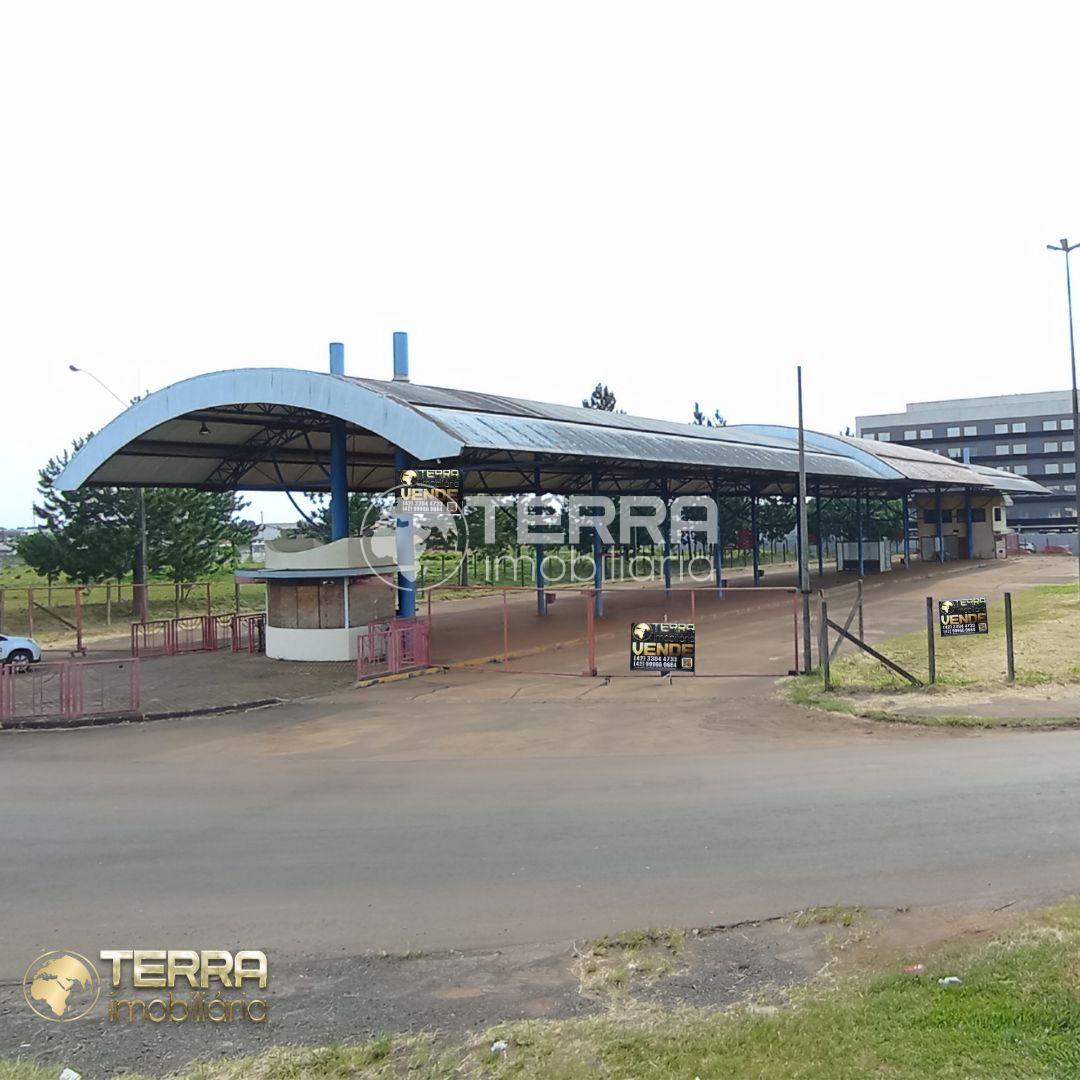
column 1027, row 434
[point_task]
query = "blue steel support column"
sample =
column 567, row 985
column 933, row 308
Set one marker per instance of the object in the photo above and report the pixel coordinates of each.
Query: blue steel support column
column 718, row 546
column 403, row 533
column 598, row 557
column 859, row 526
column 817, row 526
column 339, row 475
column 755, row 555
column 541, row 592
column 970, row 523
column 799, row 539
column 907, row 533
column 666, row 531
column 940, row 527
column 406, row 553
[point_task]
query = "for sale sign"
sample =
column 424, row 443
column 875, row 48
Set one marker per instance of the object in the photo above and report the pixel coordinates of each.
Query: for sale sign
column 656, row 646
column 961, row 617
column 429, row 490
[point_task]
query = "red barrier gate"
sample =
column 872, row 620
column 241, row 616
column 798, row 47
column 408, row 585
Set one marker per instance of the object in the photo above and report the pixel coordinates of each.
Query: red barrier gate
column 199, row 633
column 153, row 638
column 217, row 631
column 402, row 645
column 69, row 691
column 248, row 632
column 256, row 634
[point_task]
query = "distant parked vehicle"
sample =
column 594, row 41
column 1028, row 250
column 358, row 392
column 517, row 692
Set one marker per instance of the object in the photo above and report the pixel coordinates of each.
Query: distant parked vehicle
column 1028, row 546
column 19, row 651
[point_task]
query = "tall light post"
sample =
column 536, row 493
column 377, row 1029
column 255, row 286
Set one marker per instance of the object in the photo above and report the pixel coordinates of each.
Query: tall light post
column 140, row 560
column 804, row 536
column 1065, row 247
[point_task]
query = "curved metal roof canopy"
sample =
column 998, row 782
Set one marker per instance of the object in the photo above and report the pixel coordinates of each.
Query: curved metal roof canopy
column 269, row 429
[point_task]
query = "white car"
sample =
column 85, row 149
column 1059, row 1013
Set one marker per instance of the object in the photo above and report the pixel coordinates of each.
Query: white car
column 19, row 650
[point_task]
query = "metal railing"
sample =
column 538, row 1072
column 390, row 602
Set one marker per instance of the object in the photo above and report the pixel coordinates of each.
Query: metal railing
column 199, row 633
column 400, row 645
column 69, row 690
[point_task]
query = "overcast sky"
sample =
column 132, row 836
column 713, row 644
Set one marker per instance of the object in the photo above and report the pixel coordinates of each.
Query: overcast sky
column 682, row 200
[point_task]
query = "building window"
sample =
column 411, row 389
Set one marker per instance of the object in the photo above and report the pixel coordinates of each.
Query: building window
column 1020, row 470
column 926, row 433
column 978, row 513
column 1052, row 469
column 1020, row 448
column 911, row 435
column 1069, row 466
column 997, row 513
column 1067, row 424
column 955, row 452
column 971, row 429
column 883, row 436
column 1001, row 429
column 930, row 517
column 1050, row 425
column 1019, row 428
column 1001, row 449
column 1070, row 487
column 1068, row 445
column 952, row 433
column 1049, row 447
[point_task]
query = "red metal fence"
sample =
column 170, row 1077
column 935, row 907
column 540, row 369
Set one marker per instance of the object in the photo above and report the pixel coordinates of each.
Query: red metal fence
column 198, row 633
column 69, row 690
column 400, row 645
column 571, row 639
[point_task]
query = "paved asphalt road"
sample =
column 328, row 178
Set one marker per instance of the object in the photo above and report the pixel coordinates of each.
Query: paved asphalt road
column 173, row 834
column 474, row 810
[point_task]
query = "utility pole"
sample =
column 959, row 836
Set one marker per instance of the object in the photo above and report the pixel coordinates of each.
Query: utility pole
column 1066, row 248
column 139, row 569
column 804, row 552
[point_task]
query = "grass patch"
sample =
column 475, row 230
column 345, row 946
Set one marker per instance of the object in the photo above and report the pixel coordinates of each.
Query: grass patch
column 834, row 915
column 807, row 690
column 1046, row 626
column 610, row 966
column 1016, row 1014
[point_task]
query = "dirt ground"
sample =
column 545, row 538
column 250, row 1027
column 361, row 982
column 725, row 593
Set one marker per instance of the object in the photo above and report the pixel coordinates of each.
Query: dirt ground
column 746, row 632
column 477, row 818
column 451, row 995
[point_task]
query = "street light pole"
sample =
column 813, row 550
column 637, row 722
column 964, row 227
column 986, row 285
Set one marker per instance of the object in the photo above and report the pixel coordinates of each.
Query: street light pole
column 804, row 549
column 140, row 559
column 1065, row 247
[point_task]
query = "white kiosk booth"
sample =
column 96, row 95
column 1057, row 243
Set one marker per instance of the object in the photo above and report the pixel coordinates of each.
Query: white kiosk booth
column 321, row 597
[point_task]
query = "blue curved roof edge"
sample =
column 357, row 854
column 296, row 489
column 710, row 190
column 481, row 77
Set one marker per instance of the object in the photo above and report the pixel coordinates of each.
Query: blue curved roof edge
column 829, row 442
column 333, row 395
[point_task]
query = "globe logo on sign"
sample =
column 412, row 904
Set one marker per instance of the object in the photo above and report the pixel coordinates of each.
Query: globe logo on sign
column 61, row 986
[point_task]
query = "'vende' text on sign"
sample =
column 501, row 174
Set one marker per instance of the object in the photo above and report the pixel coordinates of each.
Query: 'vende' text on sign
column 662, row 646
column 960, row 617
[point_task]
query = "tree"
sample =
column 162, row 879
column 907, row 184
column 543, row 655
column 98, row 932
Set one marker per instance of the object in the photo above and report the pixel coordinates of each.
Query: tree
column 91, row 534
column 776, row 518
column 191, row 534
column 716, row 420
column 882, row 520
column 601, row 398
column 365, row 512
column 41, row 551
column 88, row 535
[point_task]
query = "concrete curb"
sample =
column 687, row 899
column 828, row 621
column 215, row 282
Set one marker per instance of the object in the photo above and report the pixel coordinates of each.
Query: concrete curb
column 378, row 680
column 56, row 723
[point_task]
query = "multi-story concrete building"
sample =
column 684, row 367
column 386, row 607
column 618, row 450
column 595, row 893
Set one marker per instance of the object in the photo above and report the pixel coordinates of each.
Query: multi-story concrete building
column 1027, row 434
